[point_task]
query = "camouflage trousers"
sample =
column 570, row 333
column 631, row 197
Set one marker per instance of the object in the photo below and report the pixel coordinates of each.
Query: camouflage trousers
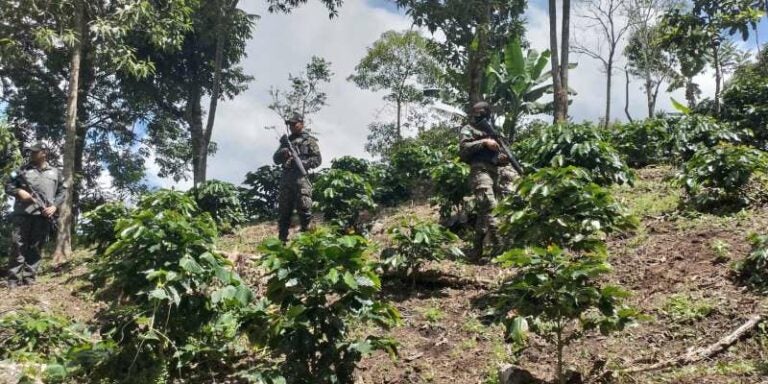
column 29, row 235
column 489, row 184
column 295, row 194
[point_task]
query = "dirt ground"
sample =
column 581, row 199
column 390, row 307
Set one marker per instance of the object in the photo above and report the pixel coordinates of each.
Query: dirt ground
column 676, row 265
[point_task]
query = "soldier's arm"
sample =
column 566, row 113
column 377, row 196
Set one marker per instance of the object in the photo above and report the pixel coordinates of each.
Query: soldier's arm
column 280, row 155
column 61, row 191
column 315, row 158
column 469, row 145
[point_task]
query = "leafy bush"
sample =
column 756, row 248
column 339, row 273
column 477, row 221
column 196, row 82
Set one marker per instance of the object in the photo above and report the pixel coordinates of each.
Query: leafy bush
column 260, row 193
column 320, row 284
column 452, row 187
column 580, row 145
column 410, row 163
column 753, row 270
column 180, row 298
column 222, row 201
column 65, row 349
column 643, row 143
column 97, row 228
column 416, row 242
column 561, row 206
column 351, row 164
column 745, row 100
column 560, row 297
column 692, row 133
column 725, row 177
column 388, row 189
column 344, row 198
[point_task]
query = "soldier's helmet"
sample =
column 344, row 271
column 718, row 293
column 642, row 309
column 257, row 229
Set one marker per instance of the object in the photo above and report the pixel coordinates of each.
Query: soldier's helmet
column 37, row 147
column 296, row 118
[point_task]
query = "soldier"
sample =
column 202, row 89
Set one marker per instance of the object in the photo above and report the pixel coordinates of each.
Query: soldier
column 39, row 192
column 295, row 188
column 488, row 174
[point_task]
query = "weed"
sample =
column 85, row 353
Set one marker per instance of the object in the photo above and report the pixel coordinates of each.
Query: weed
column 683, row 309
column 722, row 251
column 433, row 314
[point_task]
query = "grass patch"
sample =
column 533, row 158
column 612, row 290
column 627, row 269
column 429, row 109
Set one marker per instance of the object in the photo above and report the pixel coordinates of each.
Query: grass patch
column 433, row 314
column 651, row 195
column 684, row 309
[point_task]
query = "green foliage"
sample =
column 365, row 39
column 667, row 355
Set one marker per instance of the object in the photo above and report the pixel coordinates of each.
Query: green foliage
column 753, row 270
column 452, row 187
column 388, row 189
column 580, row 145
column 345, row 199
column 683, row 309
column 692, row 133
column 320, row 284
column 725, row 177
column 642, row 143
column 351, row 164
column 417, row 241
column 560, row 297
column 410, row 163
column 260, row 193
column 305, row 96
column 561, row 206
column 66, row 349
column 97, row 228
column 180, row 298
column 746, row 99
column 10, row 155
column 222, row 201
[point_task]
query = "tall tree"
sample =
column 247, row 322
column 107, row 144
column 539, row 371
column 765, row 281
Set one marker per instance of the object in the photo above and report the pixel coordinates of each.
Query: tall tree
column 305, row 96
column 472, row 29
column 560, row 56
column 402, row 63
column 609, row 19
column 648, row 61
column 76, row 29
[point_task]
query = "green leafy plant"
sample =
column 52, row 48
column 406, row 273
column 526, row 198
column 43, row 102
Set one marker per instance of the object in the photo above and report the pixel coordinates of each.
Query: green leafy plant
column 753, row 270
column 692, row 133
column 344, row 198
column 452, row 187
column 561, row 206
column 388, row 189
column 417, row 241
column 642, row 143
column 97, row 228
column 222, row 201
column 351, row 164
column 320, row 284
column 722, row 250
column 580, row 145
column 411, row 161
column 724, row 178
column 745, row 100
column 65, row 349
column 683, row 309
column 179, row 298
column 260, row 192
column 560, row 297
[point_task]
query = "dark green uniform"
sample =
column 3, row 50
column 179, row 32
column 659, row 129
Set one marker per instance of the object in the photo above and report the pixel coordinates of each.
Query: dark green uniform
column 30, row 229
column 295, row 189
column 489, row 181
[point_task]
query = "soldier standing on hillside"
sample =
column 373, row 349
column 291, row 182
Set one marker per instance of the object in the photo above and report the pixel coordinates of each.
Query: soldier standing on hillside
column 295, row 188
column 489, row 170
column 39, row 192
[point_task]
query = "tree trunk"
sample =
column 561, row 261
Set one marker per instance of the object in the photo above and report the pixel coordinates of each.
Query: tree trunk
column 690, row 93
column 608, row 80
column 63, row 248
column 626, row 96
column 399, row 111
column 478, row 61
column 655, row 97
column 718, row 75
column 560, row 112
column 649, row 94
column 194, row 118
column 565, row 51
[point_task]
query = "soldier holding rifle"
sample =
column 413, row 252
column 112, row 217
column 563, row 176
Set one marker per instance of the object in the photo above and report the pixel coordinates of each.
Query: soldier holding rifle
column 298, row 153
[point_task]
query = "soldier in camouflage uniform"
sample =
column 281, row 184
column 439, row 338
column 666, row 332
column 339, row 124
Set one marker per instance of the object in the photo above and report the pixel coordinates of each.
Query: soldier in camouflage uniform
column 295, row 189
column 490, row 175
column 32, row 219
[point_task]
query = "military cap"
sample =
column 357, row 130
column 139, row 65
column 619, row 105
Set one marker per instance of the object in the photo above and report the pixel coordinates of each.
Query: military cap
column 37, row 147
column 296, row 118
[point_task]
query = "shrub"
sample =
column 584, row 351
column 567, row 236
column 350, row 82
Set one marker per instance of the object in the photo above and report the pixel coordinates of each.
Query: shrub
column 180, row 299
column 351, row 164
column 320, row 284
column 580, row 145
column 753, row 270
column 452, row 187
column 561, row 206
column 97, row 228
column 260, row 193
column 222, row 201
column 344, row 198
column 692, row 133
column 560, row 297
column 410, row 163
column 725, row 177
column 416, row 242
column 388, row 190
column 643, row 143
column 745, row 100
column 65, row 349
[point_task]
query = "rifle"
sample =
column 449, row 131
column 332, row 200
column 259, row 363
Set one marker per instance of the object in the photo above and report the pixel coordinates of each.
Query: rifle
column 487, row 126
column 38, row 200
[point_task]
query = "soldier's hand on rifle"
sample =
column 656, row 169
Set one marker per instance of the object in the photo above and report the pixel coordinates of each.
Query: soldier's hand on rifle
column 492, row 145
column 50, row 211
column 24, row 196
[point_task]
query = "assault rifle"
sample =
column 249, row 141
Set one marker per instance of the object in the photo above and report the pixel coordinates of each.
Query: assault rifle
column 487, row 126
column 38, row 200
column 294, row 153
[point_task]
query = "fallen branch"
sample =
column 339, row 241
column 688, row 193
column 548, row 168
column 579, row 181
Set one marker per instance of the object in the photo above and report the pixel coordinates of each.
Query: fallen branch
column 700, row 354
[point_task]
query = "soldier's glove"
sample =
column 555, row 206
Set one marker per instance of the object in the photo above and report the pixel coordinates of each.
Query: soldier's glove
column 284, row 140
column 502, row 159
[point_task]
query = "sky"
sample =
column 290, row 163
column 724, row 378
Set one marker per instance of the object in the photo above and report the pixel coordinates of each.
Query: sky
column 283, row 44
